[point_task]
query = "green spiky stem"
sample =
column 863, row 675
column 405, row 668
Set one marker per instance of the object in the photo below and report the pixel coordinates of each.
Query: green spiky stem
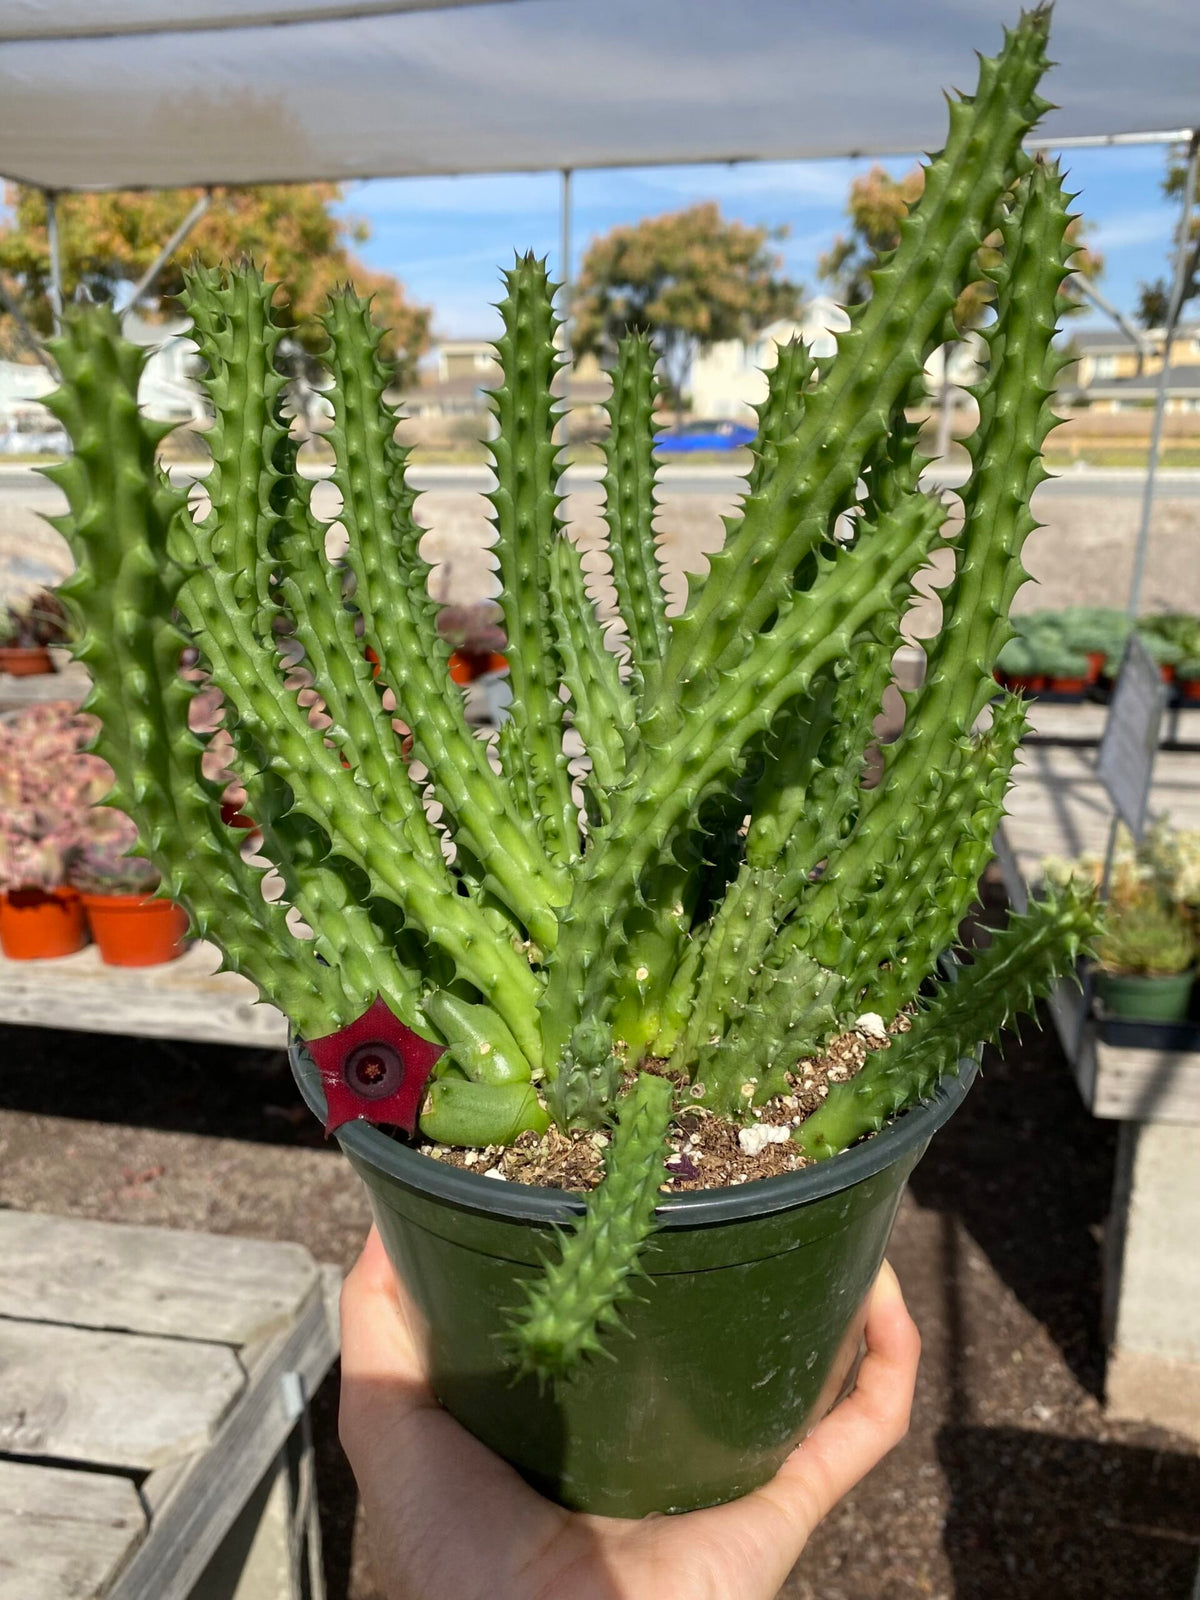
column 577, row 1297
column 479, row 1114
column 395, row 606
column 525, row 502
column 629, row 502
column 231, row 623
column 120, row 527
column 1025, row 960
column 601, row 705
column 878, row 359
column 852, row 587
column 1015, row 418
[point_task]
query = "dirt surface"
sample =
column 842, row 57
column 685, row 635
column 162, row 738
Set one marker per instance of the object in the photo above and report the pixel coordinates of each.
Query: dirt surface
column 1011, row 1484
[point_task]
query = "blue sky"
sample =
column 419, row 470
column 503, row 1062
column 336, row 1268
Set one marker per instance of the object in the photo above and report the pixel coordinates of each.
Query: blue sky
column 445, row 238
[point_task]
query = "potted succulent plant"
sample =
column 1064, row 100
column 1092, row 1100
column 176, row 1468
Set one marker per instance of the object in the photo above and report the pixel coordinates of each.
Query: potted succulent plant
column 47, row 786
column 1187, row 676
column 1015, row 667
column 1146, row 960
column 1068, row 672
column 131, row 925
column 27, row 629
column 662, row 995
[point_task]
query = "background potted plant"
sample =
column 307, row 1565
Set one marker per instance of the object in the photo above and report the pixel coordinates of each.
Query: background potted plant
column 131, row 925
column 47, row 786
column 708, row 956
column 1146, row 960
column 27, row 629
column 1187, row 676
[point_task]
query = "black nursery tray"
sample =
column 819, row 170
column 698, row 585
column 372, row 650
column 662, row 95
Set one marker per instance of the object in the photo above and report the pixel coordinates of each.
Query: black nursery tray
column 1127, row 1033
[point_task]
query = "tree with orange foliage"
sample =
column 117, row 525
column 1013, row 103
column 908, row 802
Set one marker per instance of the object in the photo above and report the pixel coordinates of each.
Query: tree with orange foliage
column 688, row 279
column 292, row 230
column 876, row 206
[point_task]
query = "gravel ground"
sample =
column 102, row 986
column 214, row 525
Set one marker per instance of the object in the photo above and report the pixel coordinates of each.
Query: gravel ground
column 1083, row 555
column 1010, row 1484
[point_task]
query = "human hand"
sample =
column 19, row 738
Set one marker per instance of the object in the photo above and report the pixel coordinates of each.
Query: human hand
column 448, row 1520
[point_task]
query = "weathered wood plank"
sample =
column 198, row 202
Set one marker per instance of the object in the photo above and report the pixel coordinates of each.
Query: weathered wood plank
column 192, row 1518
column 149, row 1280
column 110, row 1399
column 63, row 1535
column 184, row 999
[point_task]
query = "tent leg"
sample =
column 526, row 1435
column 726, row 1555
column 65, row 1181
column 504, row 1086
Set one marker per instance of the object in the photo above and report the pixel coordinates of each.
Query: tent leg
column 564, row 422
column 56, row 278
column 31, row 339
column 1183, row 271
column 169, row 249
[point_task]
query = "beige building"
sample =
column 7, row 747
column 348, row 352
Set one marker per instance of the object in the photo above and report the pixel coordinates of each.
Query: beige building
column 1113, row 374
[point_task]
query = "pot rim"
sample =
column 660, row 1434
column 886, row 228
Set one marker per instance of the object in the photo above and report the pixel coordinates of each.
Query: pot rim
column 125, row 902
column 522, row 1202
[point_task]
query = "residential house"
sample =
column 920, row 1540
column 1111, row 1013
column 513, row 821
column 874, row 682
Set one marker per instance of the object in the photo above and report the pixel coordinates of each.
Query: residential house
column 728, row 379
column 1113, row 373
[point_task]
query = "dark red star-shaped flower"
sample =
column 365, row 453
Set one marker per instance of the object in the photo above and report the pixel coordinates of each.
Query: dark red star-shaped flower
column 375, row 1068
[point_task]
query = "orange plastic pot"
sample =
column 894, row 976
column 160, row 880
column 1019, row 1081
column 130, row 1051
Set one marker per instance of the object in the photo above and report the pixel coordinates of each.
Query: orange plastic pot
column 136, row 930
column 25, row 661
column 467, row 665
column 39, row 924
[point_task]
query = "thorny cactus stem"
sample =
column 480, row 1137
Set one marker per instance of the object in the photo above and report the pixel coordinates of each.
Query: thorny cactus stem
column 730, row 894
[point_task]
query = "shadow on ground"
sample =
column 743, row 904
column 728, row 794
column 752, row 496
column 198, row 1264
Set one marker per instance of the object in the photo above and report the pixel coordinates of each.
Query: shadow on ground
column 1136, row 1534
column 231, row 1091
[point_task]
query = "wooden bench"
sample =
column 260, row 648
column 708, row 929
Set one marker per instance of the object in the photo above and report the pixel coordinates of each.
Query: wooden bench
column 154, row 1389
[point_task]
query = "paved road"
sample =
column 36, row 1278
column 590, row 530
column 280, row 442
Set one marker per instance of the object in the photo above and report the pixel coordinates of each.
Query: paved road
column 17, row 482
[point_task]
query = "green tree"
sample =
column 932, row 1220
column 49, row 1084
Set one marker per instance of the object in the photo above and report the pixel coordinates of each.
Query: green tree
column 688, row 279
column 292, row 230
column 1154, row 299
column 876, row 206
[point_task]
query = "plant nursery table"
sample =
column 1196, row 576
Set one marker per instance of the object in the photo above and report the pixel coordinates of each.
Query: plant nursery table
column 184, row 999
column 154, row 1388
column 1059, row 807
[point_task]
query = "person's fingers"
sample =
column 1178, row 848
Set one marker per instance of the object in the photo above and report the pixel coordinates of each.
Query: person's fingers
column 873, row 1418
column 760, row 1537
column 381, row 1355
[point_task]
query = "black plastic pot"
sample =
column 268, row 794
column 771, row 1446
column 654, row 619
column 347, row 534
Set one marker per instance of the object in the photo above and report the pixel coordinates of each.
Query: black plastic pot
column 742, row 1339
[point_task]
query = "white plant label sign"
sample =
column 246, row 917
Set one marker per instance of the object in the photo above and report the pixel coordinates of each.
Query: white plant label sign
column 1130, row 743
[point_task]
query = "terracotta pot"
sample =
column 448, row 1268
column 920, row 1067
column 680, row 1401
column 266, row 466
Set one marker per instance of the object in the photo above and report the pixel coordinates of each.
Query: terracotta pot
column 39, row 924
column 467, row 665
column 25, row 661
column 1096, row 661
column 1067, row 685
column 1189, row 690
column 136, row 930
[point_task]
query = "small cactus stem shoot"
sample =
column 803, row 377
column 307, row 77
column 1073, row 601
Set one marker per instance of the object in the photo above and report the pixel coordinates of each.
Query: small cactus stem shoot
column 781, row 411
column 629, row 506
column 577, row 1297
column 525, row 503
column 1021, row 966
column 877, row 361
column 399, row 628
column 120, row 525
column 601, row 706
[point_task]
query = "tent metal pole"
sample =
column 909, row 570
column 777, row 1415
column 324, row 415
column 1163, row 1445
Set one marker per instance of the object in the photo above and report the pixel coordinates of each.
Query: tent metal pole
column 1080, row 285
column 1183, row 271
column 56, row 278
column 31, row 339
column 169, row 249
column 565, row 295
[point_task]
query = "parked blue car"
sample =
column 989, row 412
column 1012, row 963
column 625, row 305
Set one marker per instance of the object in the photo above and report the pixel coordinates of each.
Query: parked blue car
column 716, row 434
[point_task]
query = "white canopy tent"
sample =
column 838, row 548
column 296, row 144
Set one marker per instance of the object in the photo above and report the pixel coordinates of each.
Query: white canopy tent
column 118, row 94
column 162, row 93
